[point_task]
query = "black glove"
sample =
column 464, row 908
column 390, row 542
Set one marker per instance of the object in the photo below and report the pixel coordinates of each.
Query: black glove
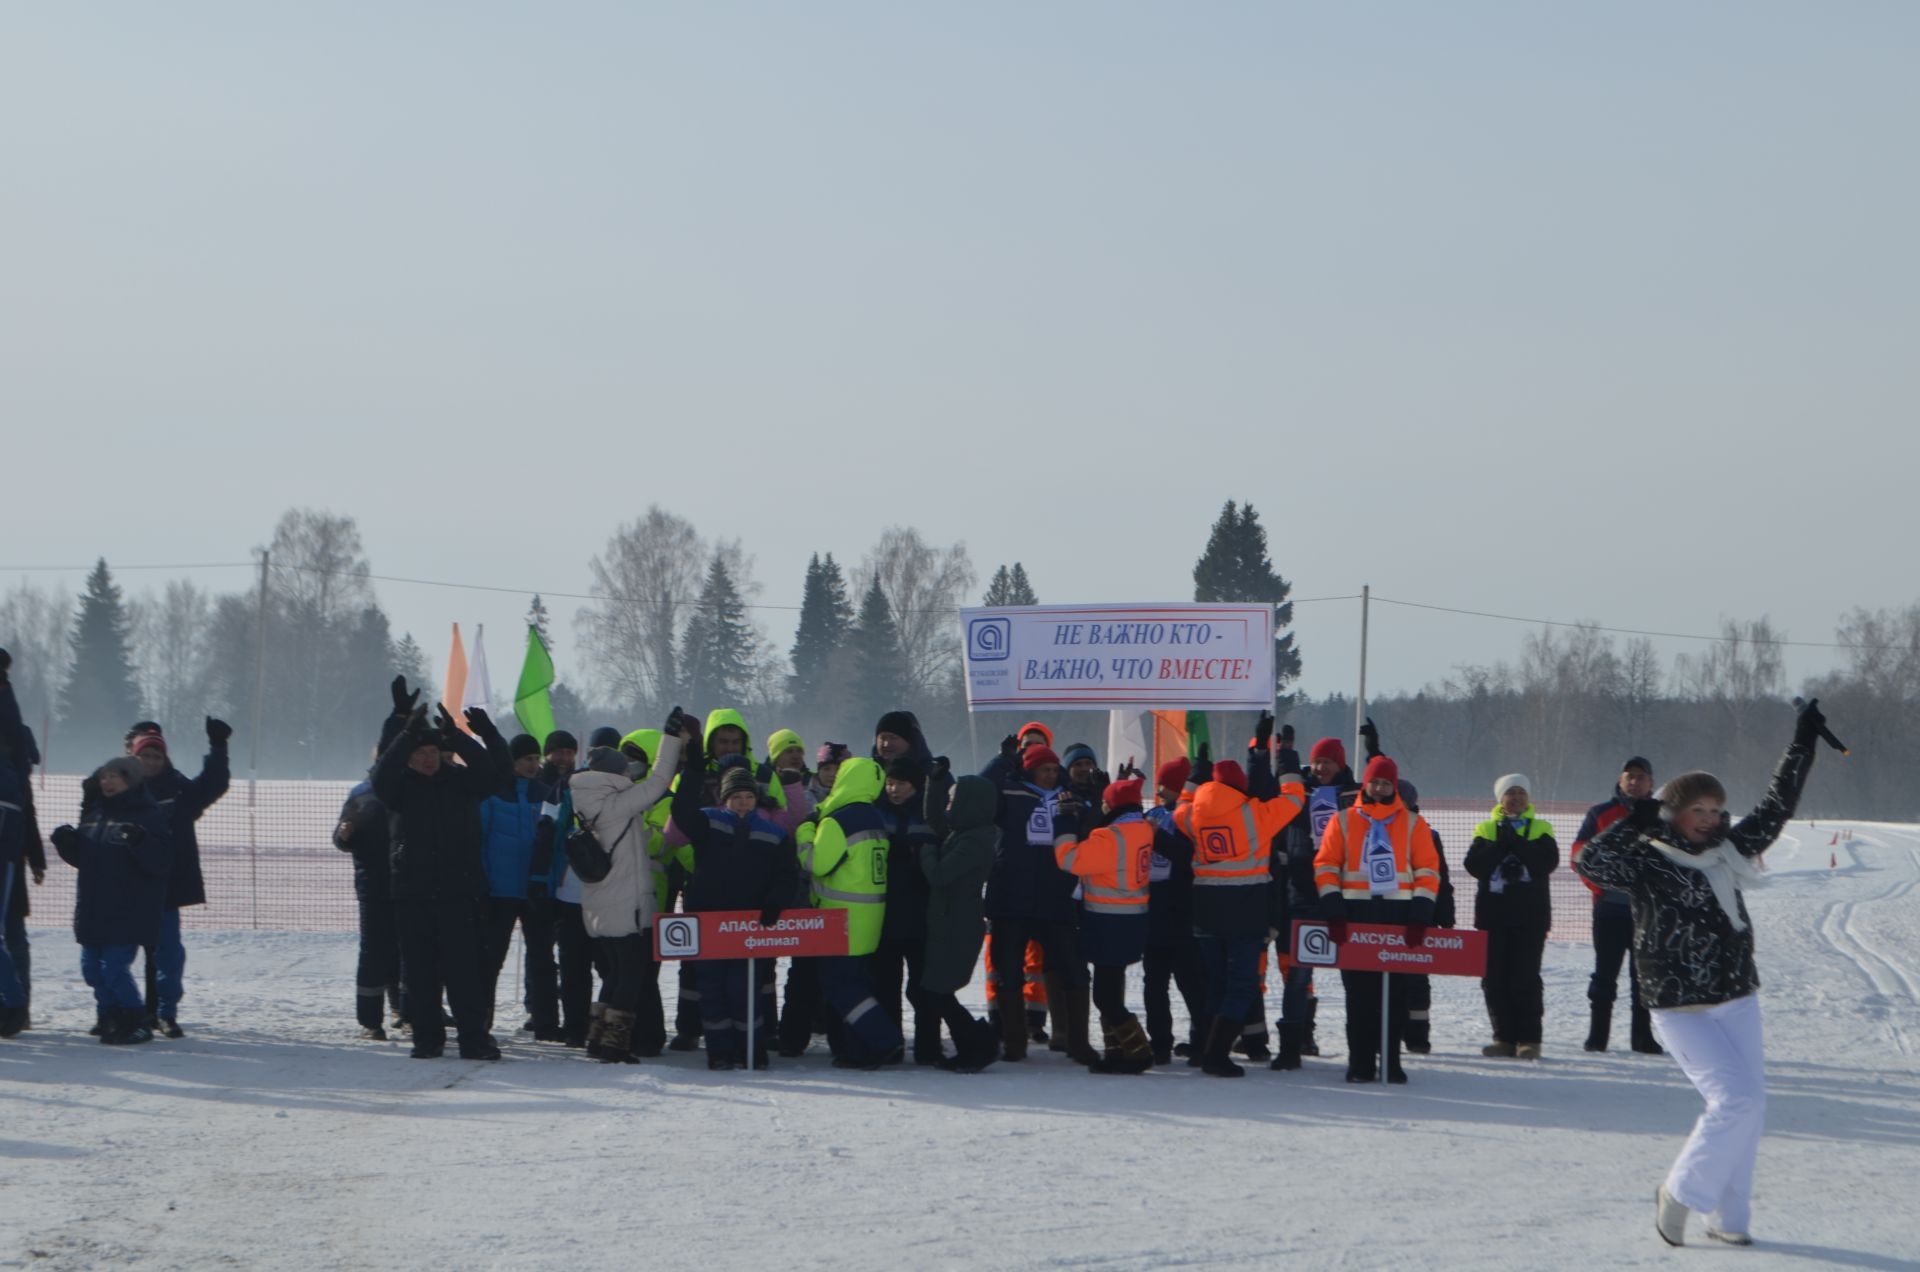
column 1263, row 731
column 1420, row 911
column 443, row 721
column 403, row 702
column 1286, row 735
column 1806, row 729
column 478, row 721
column 1371, row 735
column 1416, row 935
column 1202, row 767
column 769, row 916
column 417, row 722
column 1332, row 906
column 218, row 731
column 676, row 721
column 942, row 769
column 1512, row 871
column 64, row 837
column 1010, row 746
column 1645, row 814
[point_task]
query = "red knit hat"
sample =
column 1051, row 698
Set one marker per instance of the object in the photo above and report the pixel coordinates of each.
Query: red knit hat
column 1381, row 766
column 1231, row 774
column 1036, row 756
column 149, row 742
column 1174, row 773
column 1034, row 726
column 1127, row 794
column 1328, row 749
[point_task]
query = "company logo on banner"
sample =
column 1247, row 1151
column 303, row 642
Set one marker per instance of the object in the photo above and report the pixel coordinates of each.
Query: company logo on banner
column 1114, row 657
column 738, row 934
column 1382, row 947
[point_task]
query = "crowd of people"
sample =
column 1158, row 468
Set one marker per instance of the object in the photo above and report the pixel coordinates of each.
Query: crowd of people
column 1067, row 875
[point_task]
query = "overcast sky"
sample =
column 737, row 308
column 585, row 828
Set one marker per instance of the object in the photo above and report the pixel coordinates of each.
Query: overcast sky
column 1603, row 311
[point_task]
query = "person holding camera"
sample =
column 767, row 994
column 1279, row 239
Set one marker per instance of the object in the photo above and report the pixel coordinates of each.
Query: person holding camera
column 1512, row 854
column 123, row 851
column 1683, row 863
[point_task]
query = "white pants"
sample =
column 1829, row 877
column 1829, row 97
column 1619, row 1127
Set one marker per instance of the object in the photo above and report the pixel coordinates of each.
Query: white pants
column 1720, row 1051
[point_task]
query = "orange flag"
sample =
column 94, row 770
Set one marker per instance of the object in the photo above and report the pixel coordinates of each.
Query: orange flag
column 455, row 689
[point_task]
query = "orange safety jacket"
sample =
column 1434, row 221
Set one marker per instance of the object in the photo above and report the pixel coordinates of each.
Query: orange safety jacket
column 1232, row 834
column 1339, row 868
column 1114, row 863
column 1035, row 989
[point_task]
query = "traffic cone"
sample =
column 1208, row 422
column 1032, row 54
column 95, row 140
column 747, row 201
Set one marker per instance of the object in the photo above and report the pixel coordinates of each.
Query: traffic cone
column 1833, row 861
column 1834, row 840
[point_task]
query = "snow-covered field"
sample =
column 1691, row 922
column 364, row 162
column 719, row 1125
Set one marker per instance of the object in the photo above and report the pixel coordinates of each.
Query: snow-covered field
column 270, row 1137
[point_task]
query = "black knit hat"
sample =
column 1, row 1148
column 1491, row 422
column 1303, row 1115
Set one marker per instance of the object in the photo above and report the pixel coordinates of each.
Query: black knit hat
column 605, row 735
column 908, row 769
column 736, row 779
column 523, row 745
column 561, row 740
column 903, row 724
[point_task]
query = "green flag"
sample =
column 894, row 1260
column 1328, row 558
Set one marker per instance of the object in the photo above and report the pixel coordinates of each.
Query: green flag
column 1197, row 733
column 531, row 704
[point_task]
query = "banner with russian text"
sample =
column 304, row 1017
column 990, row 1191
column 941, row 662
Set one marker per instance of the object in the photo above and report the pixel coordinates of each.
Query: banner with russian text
column 1116, row 657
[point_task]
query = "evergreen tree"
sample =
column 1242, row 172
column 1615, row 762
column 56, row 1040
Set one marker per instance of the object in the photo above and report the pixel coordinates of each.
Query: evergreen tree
column 825, row 616
column 101, row 697
column 411, row 661
column 1010, row 587
column 537, row 619
column 877, row 659
column 717, row 651
column 1235, row 567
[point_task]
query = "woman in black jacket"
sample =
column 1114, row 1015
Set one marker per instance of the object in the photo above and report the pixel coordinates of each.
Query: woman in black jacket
column 1512, row 854
column 1682, row 863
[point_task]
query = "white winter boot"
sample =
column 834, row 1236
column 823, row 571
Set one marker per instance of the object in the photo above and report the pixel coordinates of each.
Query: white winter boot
column 1716, row 1233
column 1669, row 1217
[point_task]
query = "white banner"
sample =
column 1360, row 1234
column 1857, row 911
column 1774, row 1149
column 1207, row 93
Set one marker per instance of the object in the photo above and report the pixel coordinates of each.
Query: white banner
column 1111, row 657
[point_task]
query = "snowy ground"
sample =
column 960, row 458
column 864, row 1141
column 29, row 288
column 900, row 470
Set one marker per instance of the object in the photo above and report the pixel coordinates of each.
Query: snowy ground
column 271, row 1138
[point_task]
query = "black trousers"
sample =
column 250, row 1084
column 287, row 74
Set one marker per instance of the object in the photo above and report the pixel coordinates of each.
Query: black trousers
column 576, row 968
column 1363, row 1021
column 376, row 976
column 1180, row 964
column 502, row 914
column 440, row 949
column 1512, row 983
column 897, row 954
column 1110, row 996
column 542, row 972
column 802, row 1009
column 1612, row 944
column 1059, row 942
column 632, row 983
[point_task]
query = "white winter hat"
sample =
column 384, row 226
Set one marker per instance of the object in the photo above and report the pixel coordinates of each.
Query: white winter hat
column 1511, row 780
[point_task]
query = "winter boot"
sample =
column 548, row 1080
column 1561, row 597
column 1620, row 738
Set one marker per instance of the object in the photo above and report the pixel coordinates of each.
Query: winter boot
column 1253, row 1040
column 167, row 1027
column 127, row 1027
column 596, row 1029
column 1289, row 1057
column 1079, row 1010
column 1036, row 1024
column 1308, row 1047
column 616, row 1038
column 1060, row 1007
column 1419, row 1035
column 975, row 1049
column 1643, row 1039
column 102, row 1023
column 1527, row 1051
column 12, row 1021
column 1669, row 1217
column 1731, row 1238
column 1013, row 1036
column 1599, row 1028
column 1109, row 1037
column 1217, row 1060
column 1135, row 1051
column 1498, row 1050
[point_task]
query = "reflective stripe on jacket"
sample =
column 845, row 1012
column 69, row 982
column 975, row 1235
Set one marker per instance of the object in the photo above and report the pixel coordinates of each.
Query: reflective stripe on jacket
column 1114, row 863
column 1339, row 866
column 1232, row 834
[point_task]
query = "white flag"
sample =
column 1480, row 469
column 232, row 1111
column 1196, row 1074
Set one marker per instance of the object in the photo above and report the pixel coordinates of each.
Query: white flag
column 479, row 687
column 1130, row 739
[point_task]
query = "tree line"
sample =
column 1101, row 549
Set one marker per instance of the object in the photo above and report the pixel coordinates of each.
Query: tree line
column 677, row 619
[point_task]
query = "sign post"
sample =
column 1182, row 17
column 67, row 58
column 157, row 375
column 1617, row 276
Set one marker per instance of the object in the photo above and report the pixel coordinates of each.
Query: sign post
column 738, row 934
column 1383, row 948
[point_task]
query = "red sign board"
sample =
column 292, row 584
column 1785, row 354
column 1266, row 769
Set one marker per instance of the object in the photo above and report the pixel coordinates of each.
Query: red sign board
column 738, row 934
column 1382, row 947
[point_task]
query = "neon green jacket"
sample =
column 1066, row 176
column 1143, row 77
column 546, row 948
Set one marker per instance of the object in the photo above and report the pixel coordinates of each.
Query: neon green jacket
column 846, row 854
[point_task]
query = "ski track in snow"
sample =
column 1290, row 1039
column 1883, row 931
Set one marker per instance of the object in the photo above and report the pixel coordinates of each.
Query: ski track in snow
column 271, row 1138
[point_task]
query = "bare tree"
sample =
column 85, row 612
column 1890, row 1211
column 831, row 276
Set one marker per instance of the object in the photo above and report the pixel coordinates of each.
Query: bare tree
column 33, row 627
column 171, row 646
column 649, row 576
column 319, row 574
column 923, row 586
column 1634, row 691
